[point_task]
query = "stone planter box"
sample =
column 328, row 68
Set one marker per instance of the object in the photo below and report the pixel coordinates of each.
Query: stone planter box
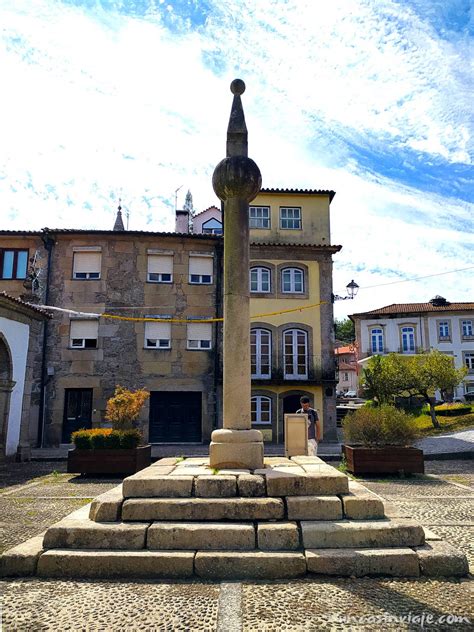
column 117, row 461
column 384, row 460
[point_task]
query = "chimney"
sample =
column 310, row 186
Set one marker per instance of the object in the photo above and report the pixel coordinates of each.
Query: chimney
column 182, row 222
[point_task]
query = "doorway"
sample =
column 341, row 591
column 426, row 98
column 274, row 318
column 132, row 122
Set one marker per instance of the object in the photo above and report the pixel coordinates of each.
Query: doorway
column 175, row 417
column 77, row 411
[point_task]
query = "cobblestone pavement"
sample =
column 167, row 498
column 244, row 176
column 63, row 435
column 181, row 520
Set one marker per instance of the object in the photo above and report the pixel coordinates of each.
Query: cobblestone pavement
column 34, row 495
column 461, row 441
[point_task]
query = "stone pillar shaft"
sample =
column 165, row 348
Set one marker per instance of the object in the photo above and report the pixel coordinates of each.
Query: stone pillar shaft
column 236, row 317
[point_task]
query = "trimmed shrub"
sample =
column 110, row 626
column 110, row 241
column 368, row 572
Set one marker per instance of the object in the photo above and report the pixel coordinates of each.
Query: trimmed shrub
column 130, row 438
column 106, row 439
column 452, row 410
column 382, row 426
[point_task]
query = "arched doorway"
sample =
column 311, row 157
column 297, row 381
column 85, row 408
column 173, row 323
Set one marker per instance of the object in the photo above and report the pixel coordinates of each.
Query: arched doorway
column 6, row 387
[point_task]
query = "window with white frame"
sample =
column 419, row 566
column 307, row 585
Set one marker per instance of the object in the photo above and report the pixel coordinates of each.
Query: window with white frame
column 376, row 340
column 259, row 217
column 200, row 269
column 290, row 217
column 292, row 281
column 160, row 268
column 87, row 264
column 467, row 329
column 261, row 353
column 295, row 354
column 469, row 360
column 469, row 388
column 408, row 339
column 212, row 227
column 260, row 279
column 443, row 329
column 261, row 409
column 83, row 334
column 199, row 336
column 157, row 335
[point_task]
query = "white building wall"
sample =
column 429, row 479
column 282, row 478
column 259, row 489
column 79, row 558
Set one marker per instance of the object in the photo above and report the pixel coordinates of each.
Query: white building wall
column 17, row 337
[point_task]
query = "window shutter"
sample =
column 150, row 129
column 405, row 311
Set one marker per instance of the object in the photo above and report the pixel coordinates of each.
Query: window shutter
column 199, row 331
column 200, row 265
column 87, row 262
column 84, row 329
column 157, row 331
column 160, row 264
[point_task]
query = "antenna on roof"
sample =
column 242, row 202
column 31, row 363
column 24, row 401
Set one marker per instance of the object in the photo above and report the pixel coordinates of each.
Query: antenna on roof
column 176, row 198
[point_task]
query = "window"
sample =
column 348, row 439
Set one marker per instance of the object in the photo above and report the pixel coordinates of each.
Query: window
column 443, row 329
column 376, row 340
column 200, row 269
column 295, row 353
column 466, row 326
column 13, row 264
column 199, row 336
column 212, row 227
column 261, row 410
column 408, row 339
column 87, row 265
column 157, row 335
column 469, row 361
column 259, row 216
column 292, row 281
column 345, row 376
column 260, row 280
column 84, row 334
column 160, row 268
column 260, row 353
column 290, row 217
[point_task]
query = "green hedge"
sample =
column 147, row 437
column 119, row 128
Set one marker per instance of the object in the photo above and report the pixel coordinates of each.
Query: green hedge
column 106, row 439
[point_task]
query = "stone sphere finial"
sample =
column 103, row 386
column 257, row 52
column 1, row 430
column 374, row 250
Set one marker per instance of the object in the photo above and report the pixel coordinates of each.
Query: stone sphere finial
column 237, row 86
column 237, row 177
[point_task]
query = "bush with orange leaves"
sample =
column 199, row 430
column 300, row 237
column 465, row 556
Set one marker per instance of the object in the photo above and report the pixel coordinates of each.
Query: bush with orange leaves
column 124, row 407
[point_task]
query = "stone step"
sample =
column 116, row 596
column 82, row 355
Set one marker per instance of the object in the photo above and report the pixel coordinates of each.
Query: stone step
column 347, row 534
column 87, row 534
column 296, row 481
column 249, row 564
column 108, row 564
column 201, row 535
column 314, row 507
column 398, row 562
column 362, row 504
column 137, row 509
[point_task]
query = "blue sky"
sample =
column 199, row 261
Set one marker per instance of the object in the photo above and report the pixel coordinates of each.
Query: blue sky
column 128, row 98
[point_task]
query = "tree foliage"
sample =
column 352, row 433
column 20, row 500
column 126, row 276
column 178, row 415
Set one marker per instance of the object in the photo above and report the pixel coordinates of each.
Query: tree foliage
column 344, row 330
column 421, row 375
column 124, row 407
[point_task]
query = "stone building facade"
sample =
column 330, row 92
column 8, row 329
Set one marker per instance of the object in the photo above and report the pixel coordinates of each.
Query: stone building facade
column 140, row 275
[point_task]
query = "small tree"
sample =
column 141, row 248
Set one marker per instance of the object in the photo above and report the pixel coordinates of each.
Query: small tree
column 124, row 407
column 430, row 372
column 421, row 375
column 344, row 330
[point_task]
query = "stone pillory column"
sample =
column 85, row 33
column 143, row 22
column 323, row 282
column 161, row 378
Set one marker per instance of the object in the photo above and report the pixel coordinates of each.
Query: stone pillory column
column 236, row 181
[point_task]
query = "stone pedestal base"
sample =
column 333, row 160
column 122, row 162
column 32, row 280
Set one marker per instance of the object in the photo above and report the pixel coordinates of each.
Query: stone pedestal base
column 236, row 449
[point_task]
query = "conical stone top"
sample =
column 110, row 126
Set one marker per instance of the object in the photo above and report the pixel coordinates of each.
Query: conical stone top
column 119, row 221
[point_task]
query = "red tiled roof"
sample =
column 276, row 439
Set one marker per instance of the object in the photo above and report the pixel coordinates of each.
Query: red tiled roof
column 297, row 245
column 210, row 208
column 340, row 350
column 344, row 366
column 413, row 308
column 18, row 301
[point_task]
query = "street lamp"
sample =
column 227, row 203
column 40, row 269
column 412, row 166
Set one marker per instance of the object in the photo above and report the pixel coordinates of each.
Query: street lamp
column 352, row 289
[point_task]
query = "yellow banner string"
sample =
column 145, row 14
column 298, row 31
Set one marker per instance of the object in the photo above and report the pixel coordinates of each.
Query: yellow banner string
column 205, row 320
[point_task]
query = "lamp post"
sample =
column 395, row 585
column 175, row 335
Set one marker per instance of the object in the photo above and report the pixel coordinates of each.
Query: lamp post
column 352, row 289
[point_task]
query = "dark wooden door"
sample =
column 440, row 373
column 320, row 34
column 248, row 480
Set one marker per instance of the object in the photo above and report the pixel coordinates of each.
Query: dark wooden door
column 175, row 417
column 77, row 411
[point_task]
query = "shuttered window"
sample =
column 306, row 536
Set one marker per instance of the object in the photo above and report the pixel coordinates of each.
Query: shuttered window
column 200, row 269
column 157, row 335
column 87, row 265
column 199, row 336
column 84, row 334
column 160, row 268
